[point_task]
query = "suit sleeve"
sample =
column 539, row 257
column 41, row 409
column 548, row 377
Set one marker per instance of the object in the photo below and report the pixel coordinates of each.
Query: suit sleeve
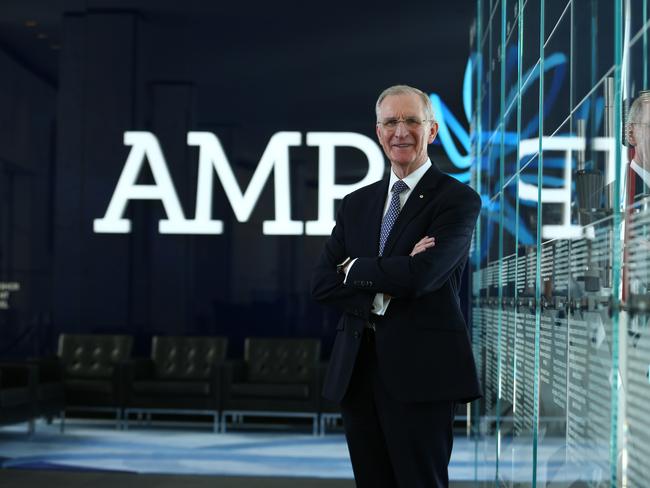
column 327, row 285
column 401, row 276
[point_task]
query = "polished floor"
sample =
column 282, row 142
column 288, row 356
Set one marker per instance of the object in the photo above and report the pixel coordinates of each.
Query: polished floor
column 74, row 479
column 95, row 453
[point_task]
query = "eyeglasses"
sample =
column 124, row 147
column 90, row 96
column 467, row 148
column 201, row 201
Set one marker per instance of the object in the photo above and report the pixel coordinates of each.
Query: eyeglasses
column 409, row 122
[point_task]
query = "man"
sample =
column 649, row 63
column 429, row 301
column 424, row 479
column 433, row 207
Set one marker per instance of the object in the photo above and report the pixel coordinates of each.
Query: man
column 402, row 356
column 638, row 136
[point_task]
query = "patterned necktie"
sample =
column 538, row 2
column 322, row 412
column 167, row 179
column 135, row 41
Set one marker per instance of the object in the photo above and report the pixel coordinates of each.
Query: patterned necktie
column 391, row 214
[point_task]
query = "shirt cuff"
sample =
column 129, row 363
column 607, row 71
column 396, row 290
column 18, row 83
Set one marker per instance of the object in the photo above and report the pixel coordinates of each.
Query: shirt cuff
column 348, row 270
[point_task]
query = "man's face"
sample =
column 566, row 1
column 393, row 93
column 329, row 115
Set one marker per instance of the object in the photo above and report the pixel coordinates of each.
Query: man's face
column 640, row 137
column 405, row 144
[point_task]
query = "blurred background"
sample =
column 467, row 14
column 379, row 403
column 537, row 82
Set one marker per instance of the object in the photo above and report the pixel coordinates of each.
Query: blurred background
column 78, row 75
column 169, row 172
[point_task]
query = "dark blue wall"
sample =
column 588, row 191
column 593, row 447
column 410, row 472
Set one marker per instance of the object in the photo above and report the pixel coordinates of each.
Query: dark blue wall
column 242, row 74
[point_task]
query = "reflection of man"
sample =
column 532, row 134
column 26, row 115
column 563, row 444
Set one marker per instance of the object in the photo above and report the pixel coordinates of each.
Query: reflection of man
column 636, row 240
column 638, row 136
column 402, row 356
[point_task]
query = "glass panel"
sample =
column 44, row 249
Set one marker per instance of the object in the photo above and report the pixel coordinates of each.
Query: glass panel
column 562, row 291
column 635, row 343
column 557, row 88
column 593, row 31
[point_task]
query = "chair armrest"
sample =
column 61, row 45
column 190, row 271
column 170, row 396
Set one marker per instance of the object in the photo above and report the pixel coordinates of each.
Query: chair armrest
column 125, row 373
column 49, row 369
column 16, row 375
column 323, row 370
column 233, row 371
column 315, row 382
column 217, row 373
column 137, row 369
column 217, row 381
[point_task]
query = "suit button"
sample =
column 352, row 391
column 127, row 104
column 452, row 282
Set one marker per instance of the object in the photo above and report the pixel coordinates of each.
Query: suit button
column 356, row 334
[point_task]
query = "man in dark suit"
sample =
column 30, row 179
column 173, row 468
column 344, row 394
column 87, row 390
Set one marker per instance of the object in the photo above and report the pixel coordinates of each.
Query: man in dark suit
column 402, row 357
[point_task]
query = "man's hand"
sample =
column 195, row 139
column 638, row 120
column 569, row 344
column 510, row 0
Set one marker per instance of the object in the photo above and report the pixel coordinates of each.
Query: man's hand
column 423, row 244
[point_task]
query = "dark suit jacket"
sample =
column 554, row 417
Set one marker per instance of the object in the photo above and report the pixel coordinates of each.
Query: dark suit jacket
column 423, row 347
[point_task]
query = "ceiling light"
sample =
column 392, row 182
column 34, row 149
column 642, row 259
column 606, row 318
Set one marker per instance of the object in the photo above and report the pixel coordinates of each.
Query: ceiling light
column 31, row 23
column 41, row 35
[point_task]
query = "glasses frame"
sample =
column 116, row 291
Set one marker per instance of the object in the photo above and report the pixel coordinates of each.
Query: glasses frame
column 411, row 123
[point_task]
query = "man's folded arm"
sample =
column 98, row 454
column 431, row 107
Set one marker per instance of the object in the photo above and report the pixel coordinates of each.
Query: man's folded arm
column 327, row 284
column 401, row 276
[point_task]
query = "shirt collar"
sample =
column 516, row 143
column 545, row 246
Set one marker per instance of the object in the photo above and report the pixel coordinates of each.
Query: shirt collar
column 642, row 172
column 413, row 179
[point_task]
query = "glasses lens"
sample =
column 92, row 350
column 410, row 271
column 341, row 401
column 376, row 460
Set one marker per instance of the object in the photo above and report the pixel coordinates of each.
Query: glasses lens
column 390, row 123
column 409, row 122
column 412, row 123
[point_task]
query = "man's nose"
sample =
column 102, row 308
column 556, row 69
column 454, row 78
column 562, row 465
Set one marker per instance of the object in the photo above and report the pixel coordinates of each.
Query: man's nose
column 401, row 130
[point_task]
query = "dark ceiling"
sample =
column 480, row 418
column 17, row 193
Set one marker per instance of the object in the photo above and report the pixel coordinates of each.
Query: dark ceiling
column 329, row 33
column 270, row 65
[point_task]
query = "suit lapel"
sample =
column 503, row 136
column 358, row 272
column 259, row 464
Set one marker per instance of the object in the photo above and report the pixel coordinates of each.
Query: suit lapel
column 420, row 196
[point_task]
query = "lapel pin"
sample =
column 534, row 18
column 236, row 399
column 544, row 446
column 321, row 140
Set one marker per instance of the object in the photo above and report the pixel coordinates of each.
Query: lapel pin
column 421, row 196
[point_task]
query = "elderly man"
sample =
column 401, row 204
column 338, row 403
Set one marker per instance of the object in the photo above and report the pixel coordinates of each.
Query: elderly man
column 402, row 356
column 638, row 135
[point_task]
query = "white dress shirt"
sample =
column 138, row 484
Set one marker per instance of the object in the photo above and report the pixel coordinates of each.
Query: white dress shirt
column 642, row 172
column 381, row 301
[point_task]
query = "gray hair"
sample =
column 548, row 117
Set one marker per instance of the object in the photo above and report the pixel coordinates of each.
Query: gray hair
column 635, row 113
column 405, row 90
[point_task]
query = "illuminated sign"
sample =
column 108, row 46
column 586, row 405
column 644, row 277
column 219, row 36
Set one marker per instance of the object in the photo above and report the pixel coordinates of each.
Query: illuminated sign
column 6, row 289
column 212, row 158
column 562, row 194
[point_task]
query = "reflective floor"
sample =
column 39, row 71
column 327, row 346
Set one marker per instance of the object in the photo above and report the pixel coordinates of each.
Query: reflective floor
column 192, row 449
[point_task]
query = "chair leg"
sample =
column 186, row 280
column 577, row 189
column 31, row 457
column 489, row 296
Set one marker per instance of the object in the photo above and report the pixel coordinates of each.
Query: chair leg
column 223, row 423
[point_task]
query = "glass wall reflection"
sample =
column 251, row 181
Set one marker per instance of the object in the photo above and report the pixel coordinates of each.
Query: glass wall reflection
column 561, row 258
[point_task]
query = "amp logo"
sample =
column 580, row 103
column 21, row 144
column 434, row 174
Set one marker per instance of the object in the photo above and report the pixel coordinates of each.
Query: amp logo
column 212, row 159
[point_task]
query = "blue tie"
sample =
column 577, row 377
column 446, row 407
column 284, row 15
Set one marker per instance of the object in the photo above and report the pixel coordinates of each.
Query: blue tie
column 391, row 214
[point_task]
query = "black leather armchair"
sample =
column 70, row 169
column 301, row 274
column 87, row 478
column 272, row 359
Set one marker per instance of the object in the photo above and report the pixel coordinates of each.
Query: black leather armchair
column 183, row 376
column 18, row 394
column 93, row 371
column 276, row 378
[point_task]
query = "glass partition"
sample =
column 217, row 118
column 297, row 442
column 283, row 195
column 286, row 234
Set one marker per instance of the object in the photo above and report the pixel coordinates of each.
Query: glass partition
column 561, row 257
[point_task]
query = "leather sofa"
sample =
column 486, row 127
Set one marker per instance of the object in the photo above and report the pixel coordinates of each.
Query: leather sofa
column 93, row 367
column 182, row 376
column 276, row 378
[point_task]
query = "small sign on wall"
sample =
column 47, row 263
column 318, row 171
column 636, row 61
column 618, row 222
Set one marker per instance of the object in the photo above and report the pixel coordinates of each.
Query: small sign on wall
column 6, row 289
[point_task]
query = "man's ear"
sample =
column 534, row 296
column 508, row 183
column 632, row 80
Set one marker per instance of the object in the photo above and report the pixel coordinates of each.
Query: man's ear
column 433, row 132
column 631, row 138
